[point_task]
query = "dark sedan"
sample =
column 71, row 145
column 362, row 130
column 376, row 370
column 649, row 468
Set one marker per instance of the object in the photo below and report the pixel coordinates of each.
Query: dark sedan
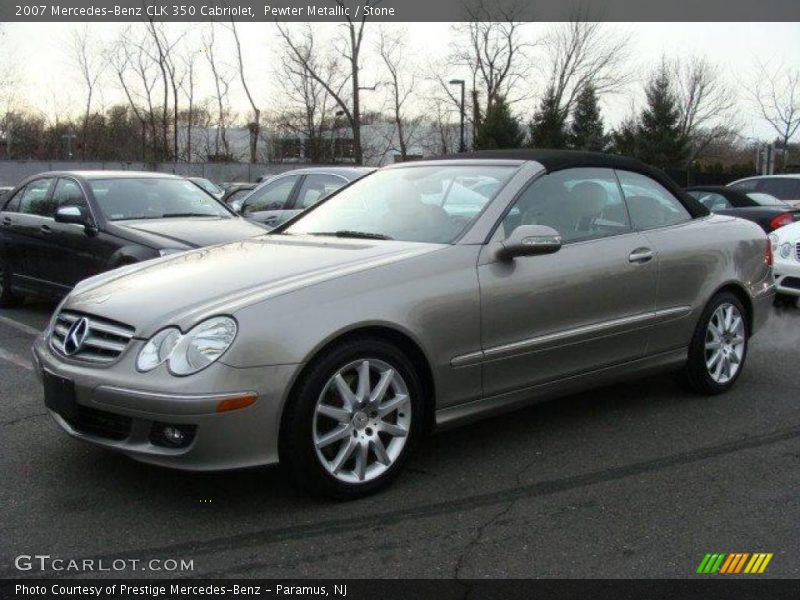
column 769, row 212
column 59, row 228
column 283, row 196
column 235, row 193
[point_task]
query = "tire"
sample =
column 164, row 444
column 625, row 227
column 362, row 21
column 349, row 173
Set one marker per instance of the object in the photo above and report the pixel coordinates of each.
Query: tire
column 347, row 452
column 718, row 349
column 7, row 297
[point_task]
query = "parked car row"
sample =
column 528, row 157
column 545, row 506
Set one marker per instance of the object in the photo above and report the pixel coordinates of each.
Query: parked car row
column 421, row 295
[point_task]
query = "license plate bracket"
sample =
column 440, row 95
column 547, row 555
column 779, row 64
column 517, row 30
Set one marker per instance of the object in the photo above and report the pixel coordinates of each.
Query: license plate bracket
column 59, row 396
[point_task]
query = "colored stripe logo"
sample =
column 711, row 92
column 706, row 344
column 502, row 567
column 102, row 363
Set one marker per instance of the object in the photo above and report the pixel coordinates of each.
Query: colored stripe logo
column 734, row 563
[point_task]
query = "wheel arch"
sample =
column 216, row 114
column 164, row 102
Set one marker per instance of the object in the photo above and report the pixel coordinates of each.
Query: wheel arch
column 381, row 331
column 738, row 290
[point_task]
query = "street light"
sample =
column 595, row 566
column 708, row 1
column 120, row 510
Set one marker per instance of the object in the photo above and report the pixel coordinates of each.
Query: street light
column 462, row 146
column 336, row 115
column 69, row 137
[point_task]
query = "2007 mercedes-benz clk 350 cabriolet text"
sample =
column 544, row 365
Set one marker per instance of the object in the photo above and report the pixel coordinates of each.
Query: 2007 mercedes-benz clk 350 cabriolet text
column 425, row 294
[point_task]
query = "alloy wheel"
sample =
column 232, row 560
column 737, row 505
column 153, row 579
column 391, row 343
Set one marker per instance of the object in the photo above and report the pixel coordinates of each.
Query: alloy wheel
column 725, row 343
column 362, row 421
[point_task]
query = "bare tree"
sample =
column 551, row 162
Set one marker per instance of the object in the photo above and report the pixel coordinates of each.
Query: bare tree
column 255, row 125
column 776, row 93
column 492, row 47
column 350, row 50
column 311, row 86
column 707, row 104
column 222, row 85
column 90, row 64
column 402, row 79
column 580, row 52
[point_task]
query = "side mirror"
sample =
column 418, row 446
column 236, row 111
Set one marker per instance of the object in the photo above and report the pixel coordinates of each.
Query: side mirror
column 530, row 240
column 71, row 214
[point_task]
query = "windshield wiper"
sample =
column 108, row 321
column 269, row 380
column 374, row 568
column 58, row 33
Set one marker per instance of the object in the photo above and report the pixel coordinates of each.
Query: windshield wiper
column 188, row 214
column 345, row 233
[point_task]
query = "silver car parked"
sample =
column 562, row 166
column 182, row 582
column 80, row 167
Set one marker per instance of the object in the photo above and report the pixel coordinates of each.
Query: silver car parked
column 423, row 295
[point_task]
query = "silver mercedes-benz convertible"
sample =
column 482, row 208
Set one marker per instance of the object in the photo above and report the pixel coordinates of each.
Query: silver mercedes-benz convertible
column 420, row 296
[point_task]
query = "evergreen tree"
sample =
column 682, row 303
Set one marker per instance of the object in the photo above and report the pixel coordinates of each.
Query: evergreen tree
column 548, row 128
column 660, row 141
column 498, row 128
column 625, row 138
column 586, row 131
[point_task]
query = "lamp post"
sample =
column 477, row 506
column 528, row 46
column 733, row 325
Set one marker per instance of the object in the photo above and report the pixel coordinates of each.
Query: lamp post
column 336, row 115
column 69, row 137
column 462, row 146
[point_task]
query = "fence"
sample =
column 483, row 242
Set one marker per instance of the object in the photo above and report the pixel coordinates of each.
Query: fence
column 12, row 171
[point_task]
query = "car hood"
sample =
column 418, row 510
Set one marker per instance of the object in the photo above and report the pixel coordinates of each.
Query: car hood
column 189, row 232
column 185, row 288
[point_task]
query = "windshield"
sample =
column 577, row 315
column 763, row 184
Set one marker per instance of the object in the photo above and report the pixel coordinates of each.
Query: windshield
column 153, row 198
column 765, row 199
column 415, row 204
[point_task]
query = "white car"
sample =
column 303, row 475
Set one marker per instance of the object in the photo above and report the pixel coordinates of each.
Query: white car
column 786, row 266
column 785, row 187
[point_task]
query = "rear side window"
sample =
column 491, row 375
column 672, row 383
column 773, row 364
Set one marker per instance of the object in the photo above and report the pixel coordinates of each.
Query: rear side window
column 711, row 200
column 650, row 204
column 12, row 205
column 783, row 188
column 35, row 199
column 317, row 187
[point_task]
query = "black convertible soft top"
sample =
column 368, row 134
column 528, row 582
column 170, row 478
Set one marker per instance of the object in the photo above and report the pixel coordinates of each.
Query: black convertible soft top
column 557, row 160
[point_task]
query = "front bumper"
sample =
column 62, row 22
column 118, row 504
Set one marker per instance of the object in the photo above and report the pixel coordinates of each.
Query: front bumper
column 130, row 403
column 787, row 276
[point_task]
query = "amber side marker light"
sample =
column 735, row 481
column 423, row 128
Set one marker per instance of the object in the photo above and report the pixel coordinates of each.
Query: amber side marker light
column 236, row 402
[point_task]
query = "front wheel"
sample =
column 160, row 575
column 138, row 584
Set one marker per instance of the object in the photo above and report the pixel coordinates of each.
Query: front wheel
column 349, row 428
column 719, row 346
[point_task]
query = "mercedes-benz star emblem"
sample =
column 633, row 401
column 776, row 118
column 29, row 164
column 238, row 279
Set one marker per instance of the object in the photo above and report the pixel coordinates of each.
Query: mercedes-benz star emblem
column 76, row 336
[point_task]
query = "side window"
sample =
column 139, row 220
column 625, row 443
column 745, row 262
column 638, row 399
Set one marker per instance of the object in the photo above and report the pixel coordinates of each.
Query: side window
column 711, row 200
column 13, row 204
column 317, row 187
column 36, row 200
column 272, row 196
column 748, row 185
column 69, row 193
column 650, row 203
column 783, row 188
column 578, row 203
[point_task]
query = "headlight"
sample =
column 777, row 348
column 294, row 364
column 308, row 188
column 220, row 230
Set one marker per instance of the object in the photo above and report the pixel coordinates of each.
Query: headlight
column 786, row 250
column 158, row 349
column 774, row 241
column 188, row 353
column 168, row 251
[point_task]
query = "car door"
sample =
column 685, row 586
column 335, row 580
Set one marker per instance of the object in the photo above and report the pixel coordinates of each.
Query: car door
column 82, row 250
column 587, row 306
column 314, row 188
column 31, row 228
column 267, row 202
column 684, row 251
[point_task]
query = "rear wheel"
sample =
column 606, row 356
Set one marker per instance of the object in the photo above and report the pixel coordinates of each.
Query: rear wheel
column 719, row 346
column 7, row 297
column 349, row 429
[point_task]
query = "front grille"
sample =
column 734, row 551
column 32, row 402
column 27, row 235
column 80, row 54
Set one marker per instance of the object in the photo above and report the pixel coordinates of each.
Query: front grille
column 101, row 423
column 797, row 251
column 103, row 343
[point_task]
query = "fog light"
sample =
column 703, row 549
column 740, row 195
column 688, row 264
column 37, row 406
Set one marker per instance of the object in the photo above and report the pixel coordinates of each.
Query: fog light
column 170, row 435
column 174, row 435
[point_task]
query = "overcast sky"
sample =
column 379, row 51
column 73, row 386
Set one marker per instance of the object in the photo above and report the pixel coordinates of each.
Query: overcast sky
column 50, row 83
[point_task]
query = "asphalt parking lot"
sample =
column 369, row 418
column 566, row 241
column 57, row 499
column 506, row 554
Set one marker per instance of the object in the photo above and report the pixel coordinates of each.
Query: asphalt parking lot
column 635, row 480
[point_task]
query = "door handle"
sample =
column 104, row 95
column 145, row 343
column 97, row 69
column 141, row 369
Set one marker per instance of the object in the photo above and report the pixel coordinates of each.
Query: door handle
column 641, row 255
column 45, row 229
